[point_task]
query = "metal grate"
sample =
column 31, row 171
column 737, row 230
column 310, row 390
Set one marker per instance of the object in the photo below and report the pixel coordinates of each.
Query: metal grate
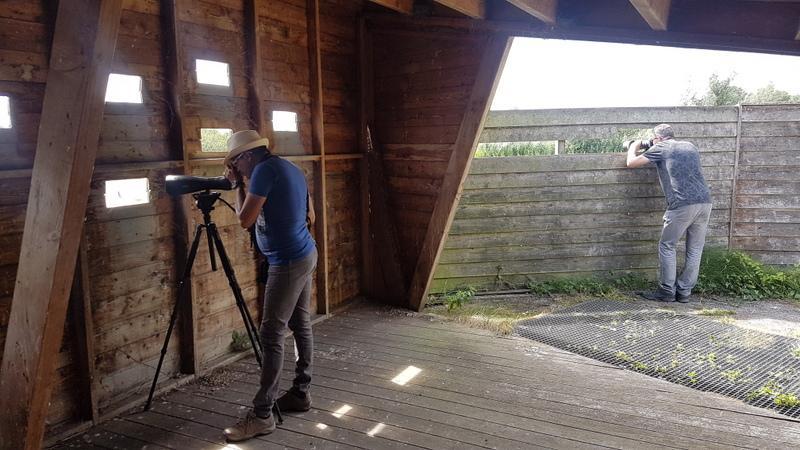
column 708, row 355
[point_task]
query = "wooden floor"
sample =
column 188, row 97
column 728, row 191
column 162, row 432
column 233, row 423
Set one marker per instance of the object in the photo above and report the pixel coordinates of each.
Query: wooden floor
column 474, row 391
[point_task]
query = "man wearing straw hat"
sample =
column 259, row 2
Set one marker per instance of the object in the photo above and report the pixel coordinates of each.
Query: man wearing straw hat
column 273, row 196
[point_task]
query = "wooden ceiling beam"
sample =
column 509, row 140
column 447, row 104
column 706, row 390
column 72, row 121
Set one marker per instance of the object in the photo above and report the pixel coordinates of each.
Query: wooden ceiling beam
column 475, row 9
column 401, row 6
column 83, row 44
column 654, row 12
column 544, row 10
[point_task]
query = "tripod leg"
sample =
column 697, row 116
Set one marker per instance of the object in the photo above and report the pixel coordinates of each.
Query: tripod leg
column 187, row 271
column 252, row 331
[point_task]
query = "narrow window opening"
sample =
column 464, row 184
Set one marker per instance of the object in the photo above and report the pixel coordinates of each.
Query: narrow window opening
column 124, row 89
column 212, row 72
column 284, row 121
column 214, row 139
column 5, row 112
column 133, row 191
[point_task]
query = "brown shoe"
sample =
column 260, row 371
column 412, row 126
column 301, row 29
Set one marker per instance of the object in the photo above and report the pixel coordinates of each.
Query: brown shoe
column 294, row 401
column 250, row 427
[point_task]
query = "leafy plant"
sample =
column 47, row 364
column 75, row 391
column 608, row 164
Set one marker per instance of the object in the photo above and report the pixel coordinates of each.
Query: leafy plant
column 572, row 286
column 787, row 400
column 505, row 149
column 732, row 375
column 716, row 312
column 239, row 341
column 732, row 272
column 692, row 377
column 457, row 298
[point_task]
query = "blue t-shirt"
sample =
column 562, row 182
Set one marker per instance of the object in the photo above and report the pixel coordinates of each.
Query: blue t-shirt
column 680, row 173
column 281, row 231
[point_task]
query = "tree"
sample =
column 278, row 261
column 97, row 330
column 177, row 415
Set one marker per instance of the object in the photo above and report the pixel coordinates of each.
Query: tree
column 769, row 95
column 721, row 92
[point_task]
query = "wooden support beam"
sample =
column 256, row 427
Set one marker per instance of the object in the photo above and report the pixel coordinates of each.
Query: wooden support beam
column 491, row 65
column 318, row 145
column 401, row 6
column 654, row 12
column 80, row 60
column 173, row 63
column 475, row 9
column 366, row 115
column 255, row 72
column 81, row 311
column 544, row 10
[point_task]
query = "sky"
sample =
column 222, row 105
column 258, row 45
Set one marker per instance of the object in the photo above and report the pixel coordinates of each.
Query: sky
column 552, row 73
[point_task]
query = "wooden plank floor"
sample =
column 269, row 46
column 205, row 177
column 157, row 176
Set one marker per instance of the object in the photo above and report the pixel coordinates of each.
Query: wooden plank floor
column 474, row 390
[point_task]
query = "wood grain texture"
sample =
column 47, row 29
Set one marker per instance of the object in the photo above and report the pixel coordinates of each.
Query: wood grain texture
column 83, row 48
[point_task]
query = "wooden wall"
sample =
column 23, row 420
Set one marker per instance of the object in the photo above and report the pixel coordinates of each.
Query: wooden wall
column 527, row 218
column 131, row 252
column 340, row 84
column 767, row 214
column 422, row 83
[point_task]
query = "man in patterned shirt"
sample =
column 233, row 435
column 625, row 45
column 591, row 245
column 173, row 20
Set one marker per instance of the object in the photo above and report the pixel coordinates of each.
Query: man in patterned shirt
column 688, row 210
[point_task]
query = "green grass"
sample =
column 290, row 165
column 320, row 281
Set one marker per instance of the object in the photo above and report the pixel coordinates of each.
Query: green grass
column 787, row 400
column 239, row 341
column 499, row 150
column 716, row 312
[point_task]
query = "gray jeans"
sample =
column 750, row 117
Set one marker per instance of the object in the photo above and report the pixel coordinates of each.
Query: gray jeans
column 692, row 220
column 287, row 302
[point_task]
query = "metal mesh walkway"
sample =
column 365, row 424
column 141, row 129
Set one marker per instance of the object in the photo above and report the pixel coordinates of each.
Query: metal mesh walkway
column 759, row 368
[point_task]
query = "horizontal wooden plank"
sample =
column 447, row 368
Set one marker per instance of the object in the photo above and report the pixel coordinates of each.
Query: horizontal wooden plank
column 572, row 207
column 524, row 164
column 579, row 264
column 528, row 238
column 785, row 128
column 765, row 113
column 552, row 133
column 770, row 143
column 593, row 116
column 592, row 177
column 580, row 192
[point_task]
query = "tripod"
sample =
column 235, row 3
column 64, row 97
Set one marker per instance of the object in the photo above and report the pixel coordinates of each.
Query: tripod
column 205, row 202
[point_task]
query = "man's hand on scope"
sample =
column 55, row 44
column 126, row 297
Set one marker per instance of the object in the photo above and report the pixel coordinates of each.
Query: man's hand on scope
column 233, row 176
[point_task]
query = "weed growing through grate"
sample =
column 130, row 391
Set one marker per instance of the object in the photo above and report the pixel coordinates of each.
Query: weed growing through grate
column 732, row 375
column 787, row 400
column 692, row 377
column 796, row 352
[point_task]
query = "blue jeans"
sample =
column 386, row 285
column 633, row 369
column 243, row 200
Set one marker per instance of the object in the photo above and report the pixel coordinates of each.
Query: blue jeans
column 287, row 304
column 693, row 221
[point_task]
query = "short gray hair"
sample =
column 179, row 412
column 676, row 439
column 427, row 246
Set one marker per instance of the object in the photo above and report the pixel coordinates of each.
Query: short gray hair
column 664, row 131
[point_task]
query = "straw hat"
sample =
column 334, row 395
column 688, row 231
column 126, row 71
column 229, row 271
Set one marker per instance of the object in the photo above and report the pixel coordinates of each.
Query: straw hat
column 242, row 141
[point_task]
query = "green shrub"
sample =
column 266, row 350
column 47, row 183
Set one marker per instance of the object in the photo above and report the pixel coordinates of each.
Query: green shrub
column 731, row 272
column 456, row 298
column 589, row 286
column 499, row 150
column 239, row 341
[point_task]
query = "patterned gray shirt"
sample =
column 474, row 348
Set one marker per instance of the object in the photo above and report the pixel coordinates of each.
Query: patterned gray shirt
column 678, row 165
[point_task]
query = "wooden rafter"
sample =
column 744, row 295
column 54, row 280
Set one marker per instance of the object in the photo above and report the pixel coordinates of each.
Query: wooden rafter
column 544, row 10
column 472, row 8
column 492, row 61
column 654, row 12
column 84, row 39
column 401, row 6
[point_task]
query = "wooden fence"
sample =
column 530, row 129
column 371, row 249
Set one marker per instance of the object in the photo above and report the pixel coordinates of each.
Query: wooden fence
column 526, row 218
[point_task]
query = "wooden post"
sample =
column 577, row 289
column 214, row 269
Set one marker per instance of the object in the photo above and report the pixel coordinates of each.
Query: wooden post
column 318, row 145
column 366, row 110
column 173, row 63
column 494, row 56
column 83, row 47
column 732, row 209
column 81, row 310
column 560, row 147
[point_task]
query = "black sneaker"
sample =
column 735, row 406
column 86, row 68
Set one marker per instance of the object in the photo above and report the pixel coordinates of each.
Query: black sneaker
column 655, row 296
column 682, row 298
column 294, row 401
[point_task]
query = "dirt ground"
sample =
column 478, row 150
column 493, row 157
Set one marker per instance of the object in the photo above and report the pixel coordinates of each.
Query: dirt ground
column 779, row 317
